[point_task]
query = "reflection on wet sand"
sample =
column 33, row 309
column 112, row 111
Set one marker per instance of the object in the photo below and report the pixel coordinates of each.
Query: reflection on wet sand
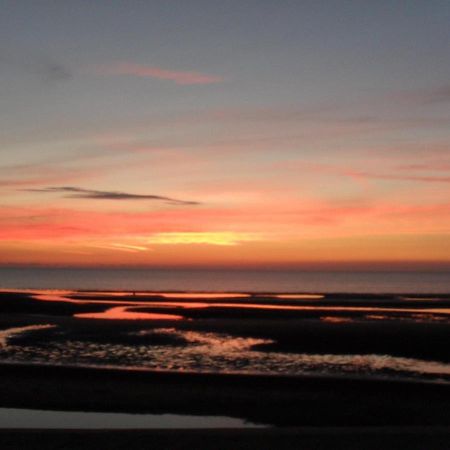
column 340, row 335
column 334, row 319
column 420, row 299
column 180, row 295
column 123, row 313
column 210, row 352
column 202, row 295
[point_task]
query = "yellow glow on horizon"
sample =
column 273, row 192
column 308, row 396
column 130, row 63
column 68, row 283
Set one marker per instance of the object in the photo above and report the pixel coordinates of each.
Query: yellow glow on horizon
column 230, row 249
column 222, row 238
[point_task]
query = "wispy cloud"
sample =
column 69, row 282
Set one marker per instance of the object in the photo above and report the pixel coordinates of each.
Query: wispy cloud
column 439, row 166
column 121, row 247
column 436, row 95
column 397, row 177
column 144, row 71
column 76, row 192
column 397, row 173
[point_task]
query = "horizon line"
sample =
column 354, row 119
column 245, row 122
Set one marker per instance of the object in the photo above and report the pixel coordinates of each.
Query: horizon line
column 354, row 266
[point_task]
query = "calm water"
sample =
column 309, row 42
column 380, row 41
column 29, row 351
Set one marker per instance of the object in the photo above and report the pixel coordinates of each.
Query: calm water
column 225, row 280
column 33, row 418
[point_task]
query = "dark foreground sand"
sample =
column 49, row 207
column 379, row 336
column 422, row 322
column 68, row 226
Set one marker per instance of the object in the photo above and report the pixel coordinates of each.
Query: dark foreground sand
column 265, row 439
column 272, row 400
column 304, row 413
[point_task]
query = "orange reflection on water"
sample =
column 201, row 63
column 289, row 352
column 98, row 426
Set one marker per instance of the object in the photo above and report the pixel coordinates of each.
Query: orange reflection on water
column 186, row 305
column 122, row 313
column 421, row 299
column 333, row 319
column 202, row 295
column 299, row 296
column 205, row 295
column 376, row 317
column 155, row 304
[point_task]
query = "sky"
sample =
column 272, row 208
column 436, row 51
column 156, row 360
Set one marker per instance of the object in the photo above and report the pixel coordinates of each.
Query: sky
column 225, row 133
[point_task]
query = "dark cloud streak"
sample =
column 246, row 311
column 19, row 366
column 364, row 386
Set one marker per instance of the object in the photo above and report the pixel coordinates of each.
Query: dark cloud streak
column 75, row 192
column 35, row 64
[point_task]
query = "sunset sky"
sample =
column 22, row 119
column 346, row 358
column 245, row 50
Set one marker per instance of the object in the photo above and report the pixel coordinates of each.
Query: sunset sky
column 225, row 133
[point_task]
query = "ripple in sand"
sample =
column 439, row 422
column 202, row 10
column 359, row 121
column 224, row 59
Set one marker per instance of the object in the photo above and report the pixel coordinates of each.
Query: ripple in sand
column 222, row 353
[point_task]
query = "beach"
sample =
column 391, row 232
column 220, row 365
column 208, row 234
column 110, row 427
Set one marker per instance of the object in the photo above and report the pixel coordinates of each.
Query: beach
column 239, row 357
column 302, row 412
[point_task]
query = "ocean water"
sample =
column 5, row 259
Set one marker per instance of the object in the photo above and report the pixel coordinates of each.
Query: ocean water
column 226, row 280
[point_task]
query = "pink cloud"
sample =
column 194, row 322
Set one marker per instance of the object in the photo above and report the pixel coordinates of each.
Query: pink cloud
column 438, row 166
column 144, row 71
column 360, row 174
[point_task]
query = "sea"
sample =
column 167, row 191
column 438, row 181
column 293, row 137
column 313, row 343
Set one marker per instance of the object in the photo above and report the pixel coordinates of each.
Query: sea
column 287, row 281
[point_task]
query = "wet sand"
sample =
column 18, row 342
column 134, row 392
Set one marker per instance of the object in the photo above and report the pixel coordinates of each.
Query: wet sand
column 313, row 412
column 421, row 335
column 271, row 400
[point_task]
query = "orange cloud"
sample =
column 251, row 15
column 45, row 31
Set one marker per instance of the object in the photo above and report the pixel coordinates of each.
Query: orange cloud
column 144, row 71
column 281, row 221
